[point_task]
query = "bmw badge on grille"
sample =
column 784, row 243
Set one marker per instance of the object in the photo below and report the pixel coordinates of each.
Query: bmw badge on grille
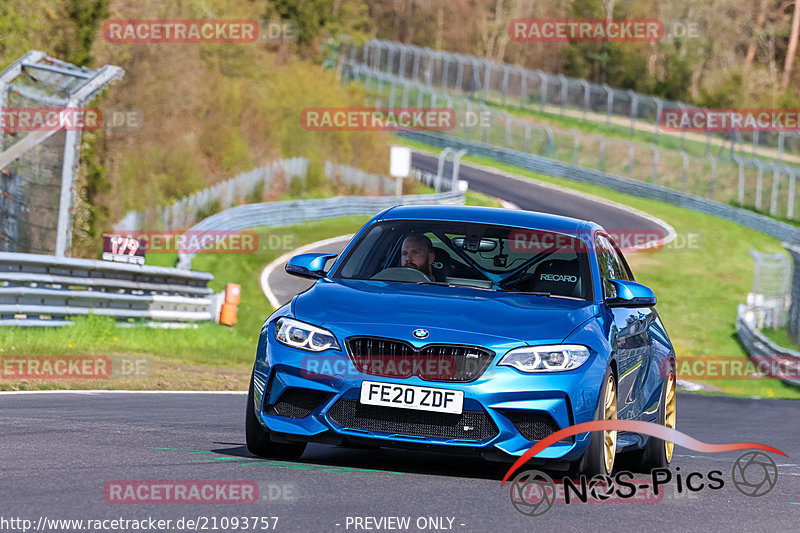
column 420, row 333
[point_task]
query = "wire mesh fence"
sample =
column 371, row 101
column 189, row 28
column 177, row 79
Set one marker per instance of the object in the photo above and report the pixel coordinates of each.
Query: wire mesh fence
column 38, row 157
column 722, row 173
column 514, row 86
column 769, row 300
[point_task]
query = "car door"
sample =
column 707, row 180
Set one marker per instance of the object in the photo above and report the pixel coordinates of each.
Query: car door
column 629, row 336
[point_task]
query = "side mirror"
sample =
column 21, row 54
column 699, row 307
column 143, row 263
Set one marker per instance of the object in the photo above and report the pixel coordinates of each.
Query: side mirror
column 631, row 294
column 310, row 266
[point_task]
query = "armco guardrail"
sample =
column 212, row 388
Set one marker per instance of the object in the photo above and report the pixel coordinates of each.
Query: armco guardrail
column 280, row 214
column 552, row 167
column 775, row 360
column 42, row 290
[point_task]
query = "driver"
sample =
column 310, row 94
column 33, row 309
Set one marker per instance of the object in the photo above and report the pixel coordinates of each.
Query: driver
column 417, row 252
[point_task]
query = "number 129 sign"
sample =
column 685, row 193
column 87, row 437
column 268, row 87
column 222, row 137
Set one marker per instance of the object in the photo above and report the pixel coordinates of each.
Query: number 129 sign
column 123, row 249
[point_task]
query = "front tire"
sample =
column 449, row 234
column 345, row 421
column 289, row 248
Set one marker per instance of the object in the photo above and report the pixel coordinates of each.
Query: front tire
column 258, row 441
column 598, row 459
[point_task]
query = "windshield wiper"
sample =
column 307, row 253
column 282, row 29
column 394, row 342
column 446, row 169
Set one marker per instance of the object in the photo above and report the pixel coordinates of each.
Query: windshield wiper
column 533, row 293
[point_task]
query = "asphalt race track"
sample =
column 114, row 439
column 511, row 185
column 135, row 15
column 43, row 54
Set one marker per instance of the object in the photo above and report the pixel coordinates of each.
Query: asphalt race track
column 526, row 195
column 59, row 450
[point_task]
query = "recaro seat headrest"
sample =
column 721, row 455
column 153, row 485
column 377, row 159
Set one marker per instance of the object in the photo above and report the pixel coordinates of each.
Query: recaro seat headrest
column 557, row 276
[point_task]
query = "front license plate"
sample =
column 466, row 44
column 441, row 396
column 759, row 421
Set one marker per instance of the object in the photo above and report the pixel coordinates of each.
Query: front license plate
column 412, row 397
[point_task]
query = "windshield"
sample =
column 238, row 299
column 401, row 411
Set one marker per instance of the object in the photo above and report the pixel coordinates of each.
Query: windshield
column 481, row 256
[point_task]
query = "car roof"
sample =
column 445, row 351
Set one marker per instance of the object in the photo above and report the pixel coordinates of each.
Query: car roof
column 491, row 215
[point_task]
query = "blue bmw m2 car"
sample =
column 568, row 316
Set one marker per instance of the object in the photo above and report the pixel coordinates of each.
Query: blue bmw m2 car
column 466, row 330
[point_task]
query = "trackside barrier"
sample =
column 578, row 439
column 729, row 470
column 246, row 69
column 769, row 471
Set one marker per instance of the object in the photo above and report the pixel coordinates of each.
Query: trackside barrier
column 42, row 290
column 764, row 351
column 281, row 214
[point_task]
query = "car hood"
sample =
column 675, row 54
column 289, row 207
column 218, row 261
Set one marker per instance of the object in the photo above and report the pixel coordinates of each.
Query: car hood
column 450, row 314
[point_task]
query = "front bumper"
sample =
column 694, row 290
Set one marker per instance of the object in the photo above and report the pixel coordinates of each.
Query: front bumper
column 505, row 410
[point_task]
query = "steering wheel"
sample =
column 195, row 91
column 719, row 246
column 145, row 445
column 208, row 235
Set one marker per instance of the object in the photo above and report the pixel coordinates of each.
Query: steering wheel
column 408, row 274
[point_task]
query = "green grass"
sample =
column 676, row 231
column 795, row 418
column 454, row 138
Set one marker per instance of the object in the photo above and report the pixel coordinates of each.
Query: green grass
column 698, row 290
column 780, row 337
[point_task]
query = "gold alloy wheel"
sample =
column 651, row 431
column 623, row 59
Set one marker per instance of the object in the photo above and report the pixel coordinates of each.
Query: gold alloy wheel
column 670, row 414
column 610, row 437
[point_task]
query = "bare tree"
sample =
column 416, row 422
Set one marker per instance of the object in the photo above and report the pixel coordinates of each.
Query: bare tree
column 792, row 48
column 760, row 19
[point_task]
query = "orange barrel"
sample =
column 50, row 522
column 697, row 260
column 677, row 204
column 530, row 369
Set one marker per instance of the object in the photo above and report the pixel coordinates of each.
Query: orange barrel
column 232, row 294
column 227, row 314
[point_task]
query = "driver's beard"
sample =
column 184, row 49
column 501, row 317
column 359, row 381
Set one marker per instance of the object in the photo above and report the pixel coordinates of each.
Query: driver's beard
column 427, row 272
column 409, row 264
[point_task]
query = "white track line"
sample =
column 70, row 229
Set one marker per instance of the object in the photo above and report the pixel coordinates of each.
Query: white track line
column 273, row 301
column 507, row 204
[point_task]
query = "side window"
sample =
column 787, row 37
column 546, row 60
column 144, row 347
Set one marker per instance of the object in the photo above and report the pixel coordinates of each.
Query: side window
column 609, row 264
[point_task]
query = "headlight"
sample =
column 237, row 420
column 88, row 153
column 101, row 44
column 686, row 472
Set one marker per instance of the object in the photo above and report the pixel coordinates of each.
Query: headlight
column 546, row 358
column 304, row 336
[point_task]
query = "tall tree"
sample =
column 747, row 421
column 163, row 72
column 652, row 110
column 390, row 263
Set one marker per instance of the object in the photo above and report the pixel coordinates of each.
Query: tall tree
column 792, row 48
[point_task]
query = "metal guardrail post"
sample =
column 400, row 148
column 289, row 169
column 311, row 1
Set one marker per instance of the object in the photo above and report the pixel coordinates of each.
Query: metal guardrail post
column 685, row 175
column 634, row 96
column 543, row 90
column 759, row 183
column 609, row 104
column 586, row 95
column 655, row 163
column 740, row 189
column 456, row 168
column 506, row 69
column 659, row 111
column 755, row 143
column 563, row 81
column 630, row 159
column 575, row 146
column 773, row 201
column 487, row 77
column 549, row 143
column 601, row 153
column 713, row 180
column 523, row 91
column 527, row 145
column 487, row 124
column 440, row 166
